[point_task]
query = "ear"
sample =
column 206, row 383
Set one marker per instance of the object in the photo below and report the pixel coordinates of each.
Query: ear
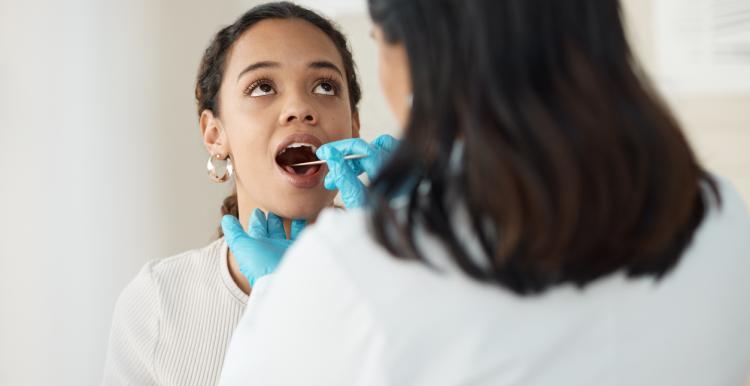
column 355, row 124
column 214, row 135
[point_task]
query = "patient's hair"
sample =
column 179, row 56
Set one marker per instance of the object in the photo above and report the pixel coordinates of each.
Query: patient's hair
column 572, row 167
column 212, row 65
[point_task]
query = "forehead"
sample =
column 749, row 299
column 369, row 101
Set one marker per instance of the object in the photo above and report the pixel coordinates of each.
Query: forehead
column 291, row 42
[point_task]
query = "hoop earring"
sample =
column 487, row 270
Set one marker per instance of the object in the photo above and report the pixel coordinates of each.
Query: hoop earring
column 228, row 169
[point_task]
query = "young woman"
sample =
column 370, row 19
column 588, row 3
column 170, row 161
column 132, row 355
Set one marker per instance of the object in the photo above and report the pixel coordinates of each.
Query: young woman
column 544, row 222
column 271, row 88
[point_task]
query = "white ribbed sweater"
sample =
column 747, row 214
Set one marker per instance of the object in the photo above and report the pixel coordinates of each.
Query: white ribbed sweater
column 173, row 322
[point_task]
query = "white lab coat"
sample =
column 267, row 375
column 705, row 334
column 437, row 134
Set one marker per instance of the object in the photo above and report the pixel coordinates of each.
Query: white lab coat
column 341, row 311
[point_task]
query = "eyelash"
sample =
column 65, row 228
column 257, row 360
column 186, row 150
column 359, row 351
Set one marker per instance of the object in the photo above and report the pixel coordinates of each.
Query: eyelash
column 249, row 90
column 327, row 79
column 330, row 80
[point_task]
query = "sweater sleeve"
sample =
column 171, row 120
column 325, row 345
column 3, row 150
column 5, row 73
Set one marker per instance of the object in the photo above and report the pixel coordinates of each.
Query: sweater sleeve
column 135, row 333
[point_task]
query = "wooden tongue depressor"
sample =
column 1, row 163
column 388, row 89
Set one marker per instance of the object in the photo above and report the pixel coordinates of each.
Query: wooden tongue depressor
column 319, row 162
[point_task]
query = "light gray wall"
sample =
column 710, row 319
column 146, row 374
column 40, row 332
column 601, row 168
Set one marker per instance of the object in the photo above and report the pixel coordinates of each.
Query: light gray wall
column 717, row 123
column 102, row 165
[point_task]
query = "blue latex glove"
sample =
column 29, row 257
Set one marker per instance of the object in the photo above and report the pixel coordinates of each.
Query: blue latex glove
column 259, row 250
column 342, row 174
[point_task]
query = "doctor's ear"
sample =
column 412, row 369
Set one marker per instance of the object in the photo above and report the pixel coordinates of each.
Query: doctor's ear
column 355, row 124
column 214, row 135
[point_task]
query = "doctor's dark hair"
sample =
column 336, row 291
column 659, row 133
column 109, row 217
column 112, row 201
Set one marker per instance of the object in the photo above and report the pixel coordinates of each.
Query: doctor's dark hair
column 213, row 63
column 572, row 167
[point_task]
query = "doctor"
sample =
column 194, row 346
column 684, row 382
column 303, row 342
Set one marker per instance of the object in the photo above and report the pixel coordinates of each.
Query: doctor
column 544, row 221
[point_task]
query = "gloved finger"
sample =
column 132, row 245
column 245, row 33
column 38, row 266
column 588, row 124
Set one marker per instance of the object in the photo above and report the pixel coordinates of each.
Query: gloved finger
column 258, row 225
column 355, row 166
column 384, row 146
column 346, row 147
column 385, row 143
column 370, row 164
column 326, row 154
column 329, row 182
column 375, row 154
column 352, row 190
column 336, row 166
column 297, row 227
column 349, row 146
column 233, row 231
column 276, row 227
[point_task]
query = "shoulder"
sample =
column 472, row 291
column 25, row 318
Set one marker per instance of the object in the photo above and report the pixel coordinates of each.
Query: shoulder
column 191, row 263
column 198, row 268
column 732, row 207
column 725, row 229
column 139, row 310
column 156, row 278
column 139, row 295
column 721, row 244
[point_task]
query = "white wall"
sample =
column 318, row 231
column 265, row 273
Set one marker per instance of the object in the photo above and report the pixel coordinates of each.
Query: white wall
column 103, row 169
column 717, row 122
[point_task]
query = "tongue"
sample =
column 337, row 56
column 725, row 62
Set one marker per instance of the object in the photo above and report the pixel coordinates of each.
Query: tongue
column 298, row 155
column 302, row 170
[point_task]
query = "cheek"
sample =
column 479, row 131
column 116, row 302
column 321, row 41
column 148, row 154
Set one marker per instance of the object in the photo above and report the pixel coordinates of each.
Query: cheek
column 387, row 61
column 249, row 137
column 338, row 122
column 388, row 83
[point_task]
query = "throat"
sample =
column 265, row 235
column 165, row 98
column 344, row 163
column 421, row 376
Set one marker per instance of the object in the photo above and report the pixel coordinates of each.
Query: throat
column 292, row 156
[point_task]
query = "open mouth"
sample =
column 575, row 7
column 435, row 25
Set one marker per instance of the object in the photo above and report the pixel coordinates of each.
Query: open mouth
column 295, row 153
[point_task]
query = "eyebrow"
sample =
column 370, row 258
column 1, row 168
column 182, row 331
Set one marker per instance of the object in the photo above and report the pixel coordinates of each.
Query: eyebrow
column 256, row 66
column 326, row 64
column 268, row 64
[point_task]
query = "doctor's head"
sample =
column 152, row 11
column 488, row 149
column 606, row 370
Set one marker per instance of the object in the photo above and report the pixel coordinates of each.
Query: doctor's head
column 536, row 118
column 271, row 88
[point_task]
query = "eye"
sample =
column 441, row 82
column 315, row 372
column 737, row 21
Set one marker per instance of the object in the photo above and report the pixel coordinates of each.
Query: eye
column 260, row 88
column 325, row 88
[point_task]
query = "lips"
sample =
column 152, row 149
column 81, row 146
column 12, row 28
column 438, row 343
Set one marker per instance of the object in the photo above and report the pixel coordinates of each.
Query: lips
column 298, row 148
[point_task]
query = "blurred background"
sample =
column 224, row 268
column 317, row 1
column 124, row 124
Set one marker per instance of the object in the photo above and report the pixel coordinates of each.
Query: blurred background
column 103, row 167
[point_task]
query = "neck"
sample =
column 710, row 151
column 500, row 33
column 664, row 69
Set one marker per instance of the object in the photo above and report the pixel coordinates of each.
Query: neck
column 245, row 208
column 234, row 267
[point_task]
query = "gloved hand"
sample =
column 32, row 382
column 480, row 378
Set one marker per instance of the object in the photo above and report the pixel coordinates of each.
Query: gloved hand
column 342, row 174
column 259, row 250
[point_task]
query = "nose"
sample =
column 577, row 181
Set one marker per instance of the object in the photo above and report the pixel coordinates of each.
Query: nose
column 298, row 110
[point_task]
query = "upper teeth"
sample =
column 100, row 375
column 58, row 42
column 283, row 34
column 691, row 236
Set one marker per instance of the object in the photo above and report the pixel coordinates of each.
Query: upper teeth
column 297, row 144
